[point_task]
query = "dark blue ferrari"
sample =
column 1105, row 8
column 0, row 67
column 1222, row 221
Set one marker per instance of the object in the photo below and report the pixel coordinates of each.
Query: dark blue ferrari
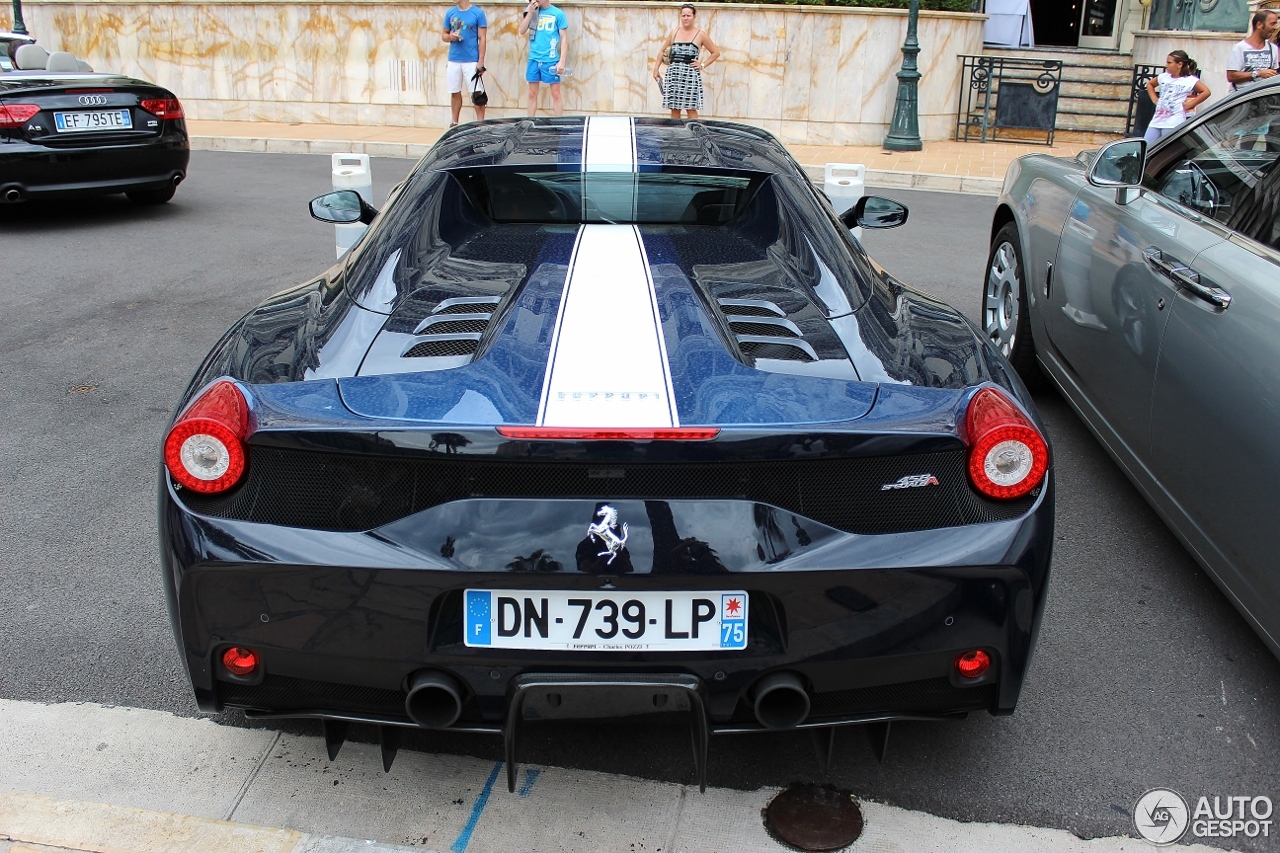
column 605, row 417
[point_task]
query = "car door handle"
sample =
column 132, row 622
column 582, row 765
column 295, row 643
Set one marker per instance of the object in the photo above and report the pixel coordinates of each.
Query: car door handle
column 1185, row 277
column 1157, row 261
column 1190, row 279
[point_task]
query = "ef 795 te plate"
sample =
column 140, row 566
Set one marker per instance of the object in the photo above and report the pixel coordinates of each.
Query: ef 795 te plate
column 605, row 621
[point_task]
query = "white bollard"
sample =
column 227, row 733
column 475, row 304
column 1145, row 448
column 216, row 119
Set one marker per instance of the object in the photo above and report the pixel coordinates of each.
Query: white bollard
column 844, row 184
column 351, row 172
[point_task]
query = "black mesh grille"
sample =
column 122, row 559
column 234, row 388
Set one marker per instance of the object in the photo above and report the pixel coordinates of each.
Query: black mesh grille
column 467, row 308
column 758, row 349
column 438, row 349
column 930, row 696
column 334, row 491
column 749, row 311
column 766, row 329
column 456, row 327
column 279, row 693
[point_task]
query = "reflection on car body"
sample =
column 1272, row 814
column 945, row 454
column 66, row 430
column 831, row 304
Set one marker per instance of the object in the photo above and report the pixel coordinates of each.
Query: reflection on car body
column 1157, row 320
column 562, row 436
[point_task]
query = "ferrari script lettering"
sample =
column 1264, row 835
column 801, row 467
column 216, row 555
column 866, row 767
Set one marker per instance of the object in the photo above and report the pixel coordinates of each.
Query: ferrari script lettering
column 912, row 481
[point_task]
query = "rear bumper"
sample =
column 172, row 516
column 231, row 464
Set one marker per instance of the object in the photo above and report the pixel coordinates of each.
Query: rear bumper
column 871, row 624
column 38, row 171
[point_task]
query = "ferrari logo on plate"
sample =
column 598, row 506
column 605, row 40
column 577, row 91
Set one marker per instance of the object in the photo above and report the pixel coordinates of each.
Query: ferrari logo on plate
column 606, row 531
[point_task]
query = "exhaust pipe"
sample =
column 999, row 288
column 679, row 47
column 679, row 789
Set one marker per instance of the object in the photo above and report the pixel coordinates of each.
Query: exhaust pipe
column 177, row 179
column 781, row 701
column 435, row 699
column 13, row 194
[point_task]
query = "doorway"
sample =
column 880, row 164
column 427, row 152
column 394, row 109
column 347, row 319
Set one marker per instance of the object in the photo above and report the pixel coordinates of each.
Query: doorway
column 1056, row 22
column 1075, row 23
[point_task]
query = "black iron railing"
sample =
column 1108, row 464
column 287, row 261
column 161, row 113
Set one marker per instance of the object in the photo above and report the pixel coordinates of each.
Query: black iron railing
column 1141, row 109
column 1014, row 95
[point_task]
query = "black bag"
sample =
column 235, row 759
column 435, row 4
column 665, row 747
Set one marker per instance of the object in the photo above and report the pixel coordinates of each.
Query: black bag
column 479, row 96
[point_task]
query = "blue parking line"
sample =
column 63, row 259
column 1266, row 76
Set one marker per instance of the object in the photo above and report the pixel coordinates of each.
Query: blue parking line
column 464, row 837
column 530, row 776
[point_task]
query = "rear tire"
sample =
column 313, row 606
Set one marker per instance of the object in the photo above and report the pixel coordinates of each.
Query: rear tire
column 1006, row 317
column 151, row 196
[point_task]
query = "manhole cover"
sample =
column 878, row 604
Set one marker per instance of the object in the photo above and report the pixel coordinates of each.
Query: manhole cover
column 814, row 817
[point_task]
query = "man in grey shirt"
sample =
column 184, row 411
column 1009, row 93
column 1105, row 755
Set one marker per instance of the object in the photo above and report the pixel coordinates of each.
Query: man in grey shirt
column 1254, row 57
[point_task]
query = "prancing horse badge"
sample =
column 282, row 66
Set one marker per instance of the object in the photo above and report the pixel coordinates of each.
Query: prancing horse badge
column 606, row 530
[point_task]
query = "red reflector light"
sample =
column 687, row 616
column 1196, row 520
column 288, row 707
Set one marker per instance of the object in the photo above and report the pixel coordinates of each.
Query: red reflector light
column 16, row 115
column 162, row 107
column 1007, row 455
column 973, row 664
column 240, row 661
column 204, row 450
column 586, row 434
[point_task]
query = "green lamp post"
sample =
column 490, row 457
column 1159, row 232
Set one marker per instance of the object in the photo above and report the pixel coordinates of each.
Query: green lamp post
column 904, row 130
column 19, row 26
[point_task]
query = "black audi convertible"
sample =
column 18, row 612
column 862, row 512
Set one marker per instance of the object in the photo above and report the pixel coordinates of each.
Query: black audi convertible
column 605, row 417
column 66, row 131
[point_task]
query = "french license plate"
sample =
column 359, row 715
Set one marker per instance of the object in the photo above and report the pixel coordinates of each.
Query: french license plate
column 93, row 120
column 604, row 621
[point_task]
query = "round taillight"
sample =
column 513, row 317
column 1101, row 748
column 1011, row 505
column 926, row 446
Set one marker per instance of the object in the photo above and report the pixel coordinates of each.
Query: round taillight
column 1007, row 455
column 205, row 450
column 240, row 661
column 973, row 664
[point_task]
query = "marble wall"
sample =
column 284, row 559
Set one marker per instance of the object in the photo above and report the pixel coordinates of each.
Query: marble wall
column 809, row 74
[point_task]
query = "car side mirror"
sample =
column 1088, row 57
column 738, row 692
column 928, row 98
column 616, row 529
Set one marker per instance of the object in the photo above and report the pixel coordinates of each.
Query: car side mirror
column 1119, row 164
column 342, row 206
column 872, row 211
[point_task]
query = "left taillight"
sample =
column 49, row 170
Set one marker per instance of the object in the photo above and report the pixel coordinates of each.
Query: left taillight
column 16, row 115
column 1008, row 457
column 162, row 107
column 205, row 448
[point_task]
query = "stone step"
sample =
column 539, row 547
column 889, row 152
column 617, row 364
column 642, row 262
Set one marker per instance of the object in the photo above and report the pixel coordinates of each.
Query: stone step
column 1068, row 56
column 1091, row 74
column 1061, row 136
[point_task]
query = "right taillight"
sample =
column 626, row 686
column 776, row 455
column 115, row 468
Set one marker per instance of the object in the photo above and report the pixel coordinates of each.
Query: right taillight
column 162, row 107
column 16, row 115
column 205, row 449
column 1007, row 455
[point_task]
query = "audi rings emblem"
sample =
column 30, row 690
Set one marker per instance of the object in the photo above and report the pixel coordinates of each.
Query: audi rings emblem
column 93, row 100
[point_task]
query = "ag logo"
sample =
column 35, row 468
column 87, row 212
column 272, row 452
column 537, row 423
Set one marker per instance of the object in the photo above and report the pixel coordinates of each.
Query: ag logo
column 1161, row 816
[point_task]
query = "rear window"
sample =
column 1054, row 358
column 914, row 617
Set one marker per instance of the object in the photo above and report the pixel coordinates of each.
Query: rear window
column 666, row 197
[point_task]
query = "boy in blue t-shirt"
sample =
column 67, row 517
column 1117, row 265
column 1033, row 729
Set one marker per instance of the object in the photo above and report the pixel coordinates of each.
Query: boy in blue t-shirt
column 466, row 33
column 545, row 25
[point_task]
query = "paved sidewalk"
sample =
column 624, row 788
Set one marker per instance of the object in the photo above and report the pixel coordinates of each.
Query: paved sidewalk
column 83, row 777
column 969, row 167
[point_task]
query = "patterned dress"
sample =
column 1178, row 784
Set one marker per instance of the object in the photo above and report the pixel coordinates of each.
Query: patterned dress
column 682, row 89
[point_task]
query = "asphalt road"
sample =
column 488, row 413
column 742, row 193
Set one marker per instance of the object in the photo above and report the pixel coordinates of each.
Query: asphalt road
column 1144, row 675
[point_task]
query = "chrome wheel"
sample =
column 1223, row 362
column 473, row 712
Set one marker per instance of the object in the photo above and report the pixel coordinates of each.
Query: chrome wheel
column 1000, row 308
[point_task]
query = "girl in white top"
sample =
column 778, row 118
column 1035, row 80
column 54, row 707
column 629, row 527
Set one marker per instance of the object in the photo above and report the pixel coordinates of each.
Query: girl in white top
column 1181, row 91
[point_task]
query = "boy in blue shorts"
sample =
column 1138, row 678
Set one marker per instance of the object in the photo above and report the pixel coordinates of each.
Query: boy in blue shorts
column 545, row 25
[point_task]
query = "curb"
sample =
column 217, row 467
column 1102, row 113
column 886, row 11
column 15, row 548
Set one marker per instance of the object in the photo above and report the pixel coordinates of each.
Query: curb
column 413, row 150
column 65, row 826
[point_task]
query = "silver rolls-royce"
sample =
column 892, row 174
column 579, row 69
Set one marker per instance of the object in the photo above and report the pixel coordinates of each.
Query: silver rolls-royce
column 1145, row 285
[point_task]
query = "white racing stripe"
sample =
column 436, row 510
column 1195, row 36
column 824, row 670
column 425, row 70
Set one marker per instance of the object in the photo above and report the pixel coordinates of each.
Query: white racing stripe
column 610, row 144
column 608, row 365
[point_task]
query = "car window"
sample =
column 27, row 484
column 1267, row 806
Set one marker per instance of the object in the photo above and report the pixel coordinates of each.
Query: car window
column 557, row 196
column 1226, row 169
